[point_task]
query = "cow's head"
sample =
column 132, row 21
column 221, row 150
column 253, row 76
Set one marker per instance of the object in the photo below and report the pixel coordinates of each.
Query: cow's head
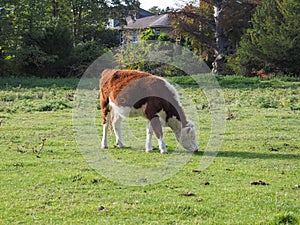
column 188, row 137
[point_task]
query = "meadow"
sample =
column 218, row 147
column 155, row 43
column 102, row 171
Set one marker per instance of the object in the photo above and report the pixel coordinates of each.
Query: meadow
column 254, row 179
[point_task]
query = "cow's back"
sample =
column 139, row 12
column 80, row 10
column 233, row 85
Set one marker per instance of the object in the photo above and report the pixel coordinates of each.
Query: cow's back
column 128, row 85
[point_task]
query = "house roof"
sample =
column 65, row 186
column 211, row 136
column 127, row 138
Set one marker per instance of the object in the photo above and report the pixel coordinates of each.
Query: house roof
column 143, row 13
column 154, row 21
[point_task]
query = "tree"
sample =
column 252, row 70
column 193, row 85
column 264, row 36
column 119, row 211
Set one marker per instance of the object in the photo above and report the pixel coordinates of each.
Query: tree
column 216, row 24
column 157, row 11
column 273, row 42
column 37, row 34
column 45, row 53
column 17, row 19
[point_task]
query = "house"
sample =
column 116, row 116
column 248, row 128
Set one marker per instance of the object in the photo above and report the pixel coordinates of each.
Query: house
column 140, row 14
column 142, row 21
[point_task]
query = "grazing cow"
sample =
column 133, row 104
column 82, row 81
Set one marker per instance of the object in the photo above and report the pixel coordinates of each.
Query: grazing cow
column 135, row 93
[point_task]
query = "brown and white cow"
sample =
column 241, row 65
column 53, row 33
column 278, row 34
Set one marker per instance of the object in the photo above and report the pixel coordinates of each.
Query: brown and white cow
column 135, row 93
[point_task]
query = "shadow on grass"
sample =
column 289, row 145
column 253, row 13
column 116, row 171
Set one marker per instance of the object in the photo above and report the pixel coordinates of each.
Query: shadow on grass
column 225, row 154
column 254, row 155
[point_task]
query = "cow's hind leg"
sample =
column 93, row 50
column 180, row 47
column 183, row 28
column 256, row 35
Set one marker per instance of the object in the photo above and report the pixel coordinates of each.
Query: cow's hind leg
column 149, row 133
column 105, row 120
column 116, row 123
column 104, row 142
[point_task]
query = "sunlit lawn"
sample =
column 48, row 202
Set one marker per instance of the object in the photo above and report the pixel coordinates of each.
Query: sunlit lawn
column 254, row 179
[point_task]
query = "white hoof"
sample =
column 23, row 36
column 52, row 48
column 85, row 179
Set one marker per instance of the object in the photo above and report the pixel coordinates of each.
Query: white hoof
column 149, row 148
column 104, row 146
column 120, row 145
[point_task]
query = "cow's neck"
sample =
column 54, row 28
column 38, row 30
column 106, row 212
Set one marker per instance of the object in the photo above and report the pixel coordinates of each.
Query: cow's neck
column 177, row 122
column 176, row 126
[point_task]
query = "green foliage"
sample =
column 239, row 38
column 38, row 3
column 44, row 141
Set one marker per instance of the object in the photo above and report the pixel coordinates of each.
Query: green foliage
column 273, row 43
column 83, row 54
column 140, row 56
column 156, row 10
column 148, row 35
column 32, row 60
column 45, row 53
column 41, row 38
column 213, row 28
column 164, row 37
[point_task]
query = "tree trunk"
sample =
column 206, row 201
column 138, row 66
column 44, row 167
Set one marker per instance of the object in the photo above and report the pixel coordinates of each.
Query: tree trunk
column 31, row 16
column 76, row 21
column 221, row 41
column 74, row 15
column 55, row 8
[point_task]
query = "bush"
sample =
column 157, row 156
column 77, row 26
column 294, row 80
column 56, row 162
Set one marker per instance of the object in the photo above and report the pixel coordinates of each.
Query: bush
column 139, row 56
column 82, row 56
column 51, row 52
column 31, row 60
column 147, row 35
column 45, row 53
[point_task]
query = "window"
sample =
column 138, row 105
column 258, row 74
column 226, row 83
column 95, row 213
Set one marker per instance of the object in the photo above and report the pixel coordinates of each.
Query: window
column 134, row 37
column 157, row 32
column 121, row 37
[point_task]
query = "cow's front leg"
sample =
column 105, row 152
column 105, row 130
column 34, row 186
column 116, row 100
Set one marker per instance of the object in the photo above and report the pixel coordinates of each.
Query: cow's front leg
column 156, row 126
column 116, row 123
column 149, row 133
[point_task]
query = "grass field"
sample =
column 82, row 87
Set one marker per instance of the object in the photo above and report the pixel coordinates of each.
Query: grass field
column 255, row 178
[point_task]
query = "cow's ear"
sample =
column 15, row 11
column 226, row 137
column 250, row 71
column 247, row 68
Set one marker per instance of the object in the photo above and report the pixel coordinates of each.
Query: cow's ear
column 188, row 130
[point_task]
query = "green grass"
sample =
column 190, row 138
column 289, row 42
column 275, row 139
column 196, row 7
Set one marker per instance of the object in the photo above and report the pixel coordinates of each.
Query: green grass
column 54, row 184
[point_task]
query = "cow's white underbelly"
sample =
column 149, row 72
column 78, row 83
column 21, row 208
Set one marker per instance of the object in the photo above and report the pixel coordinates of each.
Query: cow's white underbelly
column 128, row 111
column 132, row 112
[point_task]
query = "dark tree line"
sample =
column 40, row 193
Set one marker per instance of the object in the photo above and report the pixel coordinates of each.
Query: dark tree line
column 62, row 37
column 242, row 36
column 273, row 41
column 56, row 37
